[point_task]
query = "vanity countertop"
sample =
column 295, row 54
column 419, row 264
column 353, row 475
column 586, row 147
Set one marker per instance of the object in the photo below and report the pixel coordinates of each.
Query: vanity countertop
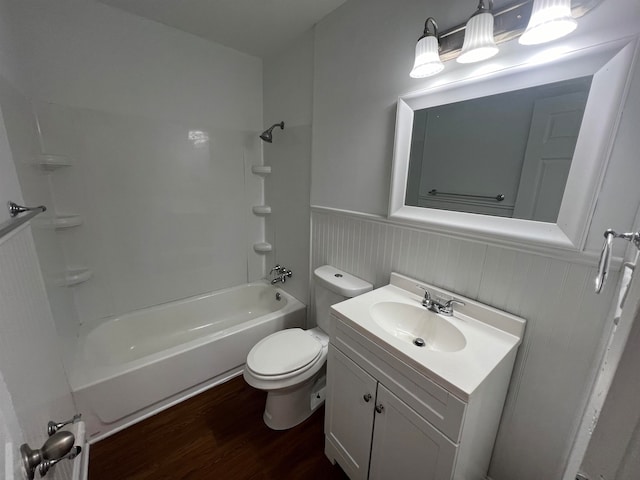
column 490, row 334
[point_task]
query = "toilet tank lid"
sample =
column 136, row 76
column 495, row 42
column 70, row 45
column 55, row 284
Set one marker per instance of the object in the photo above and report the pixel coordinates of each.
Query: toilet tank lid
column 340, row 282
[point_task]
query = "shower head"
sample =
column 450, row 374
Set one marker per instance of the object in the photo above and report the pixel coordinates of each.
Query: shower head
column 267, row 136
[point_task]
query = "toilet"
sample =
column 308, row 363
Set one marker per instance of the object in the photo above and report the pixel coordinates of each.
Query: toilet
column 290, row 364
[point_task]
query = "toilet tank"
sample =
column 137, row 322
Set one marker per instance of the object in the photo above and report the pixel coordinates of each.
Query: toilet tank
column 333, row 286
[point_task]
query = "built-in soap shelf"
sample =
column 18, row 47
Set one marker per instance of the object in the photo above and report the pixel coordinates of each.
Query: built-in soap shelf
column 261, row 210
column 61, row 222
column 51, row 162
column 261, row 170
column 74, row 276
column 262, row 247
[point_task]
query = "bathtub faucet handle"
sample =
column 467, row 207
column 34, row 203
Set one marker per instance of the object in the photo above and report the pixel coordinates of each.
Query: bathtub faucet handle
column 286, row 273
column 283, row 274
column 277, row 269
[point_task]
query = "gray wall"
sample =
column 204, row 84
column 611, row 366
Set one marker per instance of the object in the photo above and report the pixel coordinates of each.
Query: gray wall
column 363, row 53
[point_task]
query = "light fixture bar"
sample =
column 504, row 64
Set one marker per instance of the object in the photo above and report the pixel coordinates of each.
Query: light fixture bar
column 510, row 21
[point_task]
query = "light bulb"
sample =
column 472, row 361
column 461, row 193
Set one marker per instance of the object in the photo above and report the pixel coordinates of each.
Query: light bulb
column 550, row 20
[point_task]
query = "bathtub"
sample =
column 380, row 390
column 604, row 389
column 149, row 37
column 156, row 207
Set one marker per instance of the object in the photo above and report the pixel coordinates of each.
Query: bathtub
column 130, row 367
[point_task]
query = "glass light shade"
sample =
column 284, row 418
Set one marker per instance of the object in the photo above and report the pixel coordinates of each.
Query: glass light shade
column 550, row 20
column 427, row 58
column 479, row 43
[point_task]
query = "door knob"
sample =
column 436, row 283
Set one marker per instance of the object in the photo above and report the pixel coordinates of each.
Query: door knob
column 379, row 408
column 55, row 448
column 367, row 397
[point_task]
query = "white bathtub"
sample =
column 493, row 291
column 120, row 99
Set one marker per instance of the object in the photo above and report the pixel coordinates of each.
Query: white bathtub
column 130, row 367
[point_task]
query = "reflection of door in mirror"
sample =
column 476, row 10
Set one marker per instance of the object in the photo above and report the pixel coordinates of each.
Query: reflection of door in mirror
column 554, row 132
column 505, row 155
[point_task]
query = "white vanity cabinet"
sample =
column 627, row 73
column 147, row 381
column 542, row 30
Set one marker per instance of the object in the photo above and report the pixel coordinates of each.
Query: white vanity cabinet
column 385, row 419
column 377, row 435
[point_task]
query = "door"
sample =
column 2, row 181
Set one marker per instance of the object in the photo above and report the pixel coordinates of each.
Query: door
column 555, row 124
column 405, row 445
column 351, row 395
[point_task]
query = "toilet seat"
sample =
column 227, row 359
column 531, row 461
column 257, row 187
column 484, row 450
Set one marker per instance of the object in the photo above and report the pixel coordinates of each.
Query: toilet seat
column 284, row 354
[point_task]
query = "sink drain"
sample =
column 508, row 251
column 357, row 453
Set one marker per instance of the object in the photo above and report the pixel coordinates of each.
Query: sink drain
column 418, row 342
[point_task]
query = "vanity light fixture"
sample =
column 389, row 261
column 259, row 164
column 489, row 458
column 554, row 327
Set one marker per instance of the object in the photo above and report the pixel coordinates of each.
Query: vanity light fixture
column 479, row 43
column 427, row 61
column 550, row 20
column 533, row 21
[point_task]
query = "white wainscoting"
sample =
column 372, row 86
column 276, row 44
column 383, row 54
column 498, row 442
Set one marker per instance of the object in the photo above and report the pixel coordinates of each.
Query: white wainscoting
column 565, row 322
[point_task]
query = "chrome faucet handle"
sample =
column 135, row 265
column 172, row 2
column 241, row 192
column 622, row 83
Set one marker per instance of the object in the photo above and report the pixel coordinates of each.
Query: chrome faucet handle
column 284, row 274
column 426, row 301
column 450, row 303
column 447, row 307
column 277, row 268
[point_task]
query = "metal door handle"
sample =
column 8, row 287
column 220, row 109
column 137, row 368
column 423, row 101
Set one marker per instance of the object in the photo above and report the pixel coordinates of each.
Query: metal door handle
column 379, row 408
column 605, row 256
column 367, row 397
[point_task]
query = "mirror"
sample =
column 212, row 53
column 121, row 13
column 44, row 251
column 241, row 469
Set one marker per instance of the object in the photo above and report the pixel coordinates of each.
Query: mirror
column 470, row 160
column 507, row 154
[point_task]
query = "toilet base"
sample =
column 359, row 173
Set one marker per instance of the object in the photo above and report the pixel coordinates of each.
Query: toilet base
column 289, row 407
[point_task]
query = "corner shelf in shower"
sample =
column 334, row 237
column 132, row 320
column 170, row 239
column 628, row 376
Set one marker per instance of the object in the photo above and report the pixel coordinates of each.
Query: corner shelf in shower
column 75, row 276
column 261, row 170
column 261, row 210
column 262, row 247
column 51, row 162
column 61, row 222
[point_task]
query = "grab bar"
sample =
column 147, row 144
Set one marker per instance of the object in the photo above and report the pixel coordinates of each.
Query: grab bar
column 605, row 255
column 15, row 221
column 497, row 198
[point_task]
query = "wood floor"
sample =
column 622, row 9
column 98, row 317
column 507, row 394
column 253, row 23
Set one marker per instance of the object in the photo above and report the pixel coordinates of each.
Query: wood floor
column 218, row 434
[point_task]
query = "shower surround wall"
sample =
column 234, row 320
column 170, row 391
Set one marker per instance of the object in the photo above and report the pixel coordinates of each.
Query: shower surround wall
column 161, row 128
column 165, row 215
column 357, row 79
column 288, row 94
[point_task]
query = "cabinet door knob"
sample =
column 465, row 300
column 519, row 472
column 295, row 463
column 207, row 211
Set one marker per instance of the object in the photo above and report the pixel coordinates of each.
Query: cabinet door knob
column 367, row 397
column 379, row 408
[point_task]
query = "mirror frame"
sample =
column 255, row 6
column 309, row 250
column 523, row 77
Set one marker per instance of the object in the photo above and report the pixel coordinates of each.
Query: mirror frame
column 610, row 64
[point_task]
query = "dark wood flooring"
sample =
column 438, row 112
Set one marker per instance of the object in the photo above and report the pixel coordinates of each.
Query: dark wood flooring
column 218, row 434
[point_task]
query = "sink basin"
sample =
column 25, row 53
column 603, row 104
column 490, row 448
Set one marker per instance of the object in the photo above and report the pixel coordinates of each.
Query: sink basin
column 418, row 326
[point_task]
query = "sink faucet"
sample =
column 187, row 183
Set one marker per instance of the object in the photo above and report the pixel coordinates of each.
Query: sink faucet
column 437, row 306
column 282, row 273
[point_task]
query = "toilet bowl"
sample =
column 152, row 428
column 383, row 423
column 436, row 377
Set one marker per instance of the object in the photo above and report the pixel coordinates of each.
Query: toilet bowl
column 290, row 364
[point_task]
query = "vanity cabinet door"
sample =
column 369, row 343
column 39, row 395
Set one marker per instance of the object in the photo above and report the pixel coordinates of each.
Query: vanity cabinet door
column 351, row 397
column 405, row 445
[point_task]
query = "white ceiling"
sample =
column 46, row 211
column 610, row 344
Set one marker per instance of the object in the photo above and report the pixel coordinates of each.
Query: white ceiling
column 256, row 27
